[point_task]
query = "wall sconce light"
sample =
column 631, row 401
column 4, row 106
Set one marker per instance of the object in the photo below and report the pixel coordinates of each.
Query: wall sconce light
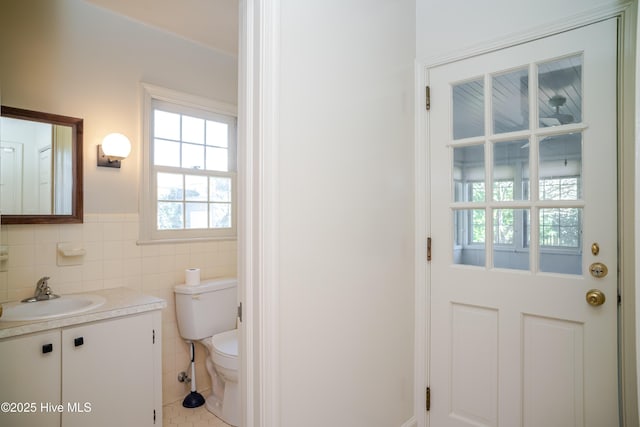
column 115, row 147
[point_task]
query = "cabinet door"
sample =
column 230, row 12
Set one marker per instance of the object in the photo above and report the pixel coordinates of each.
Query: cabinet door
column 108, row 373
column 30, row 380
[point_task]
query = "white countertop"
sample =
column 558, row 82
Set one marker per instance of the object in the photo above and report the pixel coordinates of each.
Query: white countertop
column 119, row 302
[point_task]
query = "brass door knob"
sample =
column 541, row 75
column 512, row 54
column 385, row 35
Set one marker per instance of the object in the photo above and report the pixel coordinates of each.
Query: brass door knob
column 595, row 297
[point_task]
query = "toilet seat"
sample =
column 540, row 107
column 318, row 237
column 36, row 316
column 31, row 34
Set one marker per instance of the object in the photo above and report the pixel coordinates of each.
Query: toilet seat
column 225, row 349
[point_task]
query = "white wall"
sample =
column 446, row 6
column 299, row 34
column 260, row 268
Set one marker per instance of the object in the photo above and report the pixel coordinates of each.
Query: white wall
column 345, row 206
column 446, row 26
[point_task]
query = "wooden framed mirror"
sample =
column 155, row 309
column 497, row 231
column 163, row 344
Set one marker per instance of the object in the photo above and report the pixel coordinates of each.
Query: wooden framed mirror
column 40, row 167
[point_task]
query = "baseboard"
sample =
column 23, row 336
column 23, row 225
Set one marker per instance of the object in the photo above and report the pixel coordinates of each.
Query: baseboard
column 411, row 422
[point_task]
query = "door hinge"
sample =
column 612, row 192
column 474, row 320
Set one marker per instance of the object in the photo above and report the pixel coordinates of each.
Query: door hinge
column 428, row 248
column 428, row 98
column 428, row 402
column 154, row 416
column 240, row 311
column 153, row 336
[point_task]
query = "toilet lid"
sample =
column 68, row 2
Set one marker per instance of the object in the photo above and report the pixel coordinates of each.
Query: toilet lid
column 226, row 343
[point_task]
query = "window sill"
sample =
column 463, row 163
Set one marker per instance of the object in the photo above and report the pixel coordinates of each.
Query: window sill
column 147, row 242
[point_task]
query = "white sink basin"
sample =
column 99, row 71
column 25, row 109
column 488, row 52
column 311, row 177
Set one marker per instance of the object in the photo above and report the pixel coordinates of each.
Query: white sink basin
column 40, row 310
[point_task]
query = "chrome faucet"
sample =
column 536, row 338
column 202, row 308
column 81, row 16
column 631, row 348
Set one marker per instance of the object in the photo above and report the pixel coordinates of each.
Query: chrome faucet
column 43, row 291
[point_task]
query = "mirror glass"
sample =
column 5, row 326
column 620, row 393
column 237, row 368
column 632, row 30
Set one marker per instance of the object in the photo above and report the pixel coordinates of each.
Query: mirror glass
column 40, row 167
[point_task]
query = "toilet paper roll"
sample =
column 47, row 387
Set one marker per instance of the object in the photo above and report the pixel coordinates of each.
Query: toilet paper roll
column 192, row 276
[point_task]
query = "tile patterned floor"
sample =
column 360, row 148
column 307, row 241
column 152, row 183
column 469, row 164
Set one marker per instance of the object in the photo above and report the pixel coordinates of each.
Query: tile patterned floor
column 175, row 415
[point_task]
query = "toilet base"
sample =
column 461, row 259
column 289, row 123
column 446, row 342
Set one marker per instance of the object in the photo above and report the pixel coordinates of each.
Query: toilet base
column 227, row 409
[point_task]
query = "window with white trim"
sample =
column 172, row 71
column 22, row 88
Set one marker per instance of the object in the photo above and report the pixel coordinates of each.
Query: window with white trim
column 190, row 168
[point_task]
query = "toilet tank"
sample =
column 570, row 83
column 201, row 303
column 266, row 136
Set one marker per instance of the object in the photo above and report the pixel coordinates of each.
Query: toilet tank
column 206, row 309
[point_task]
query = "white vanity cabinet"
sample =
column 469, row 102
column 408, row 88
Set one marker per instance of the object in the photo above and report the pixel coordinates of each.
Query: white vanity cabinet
column 108, row 372
column 103, row 373
column 29, row 376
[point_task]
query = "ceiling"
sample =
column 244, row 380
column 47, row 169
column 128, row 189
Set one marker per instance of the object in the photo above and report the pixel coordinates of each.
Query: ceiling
column 213, row 23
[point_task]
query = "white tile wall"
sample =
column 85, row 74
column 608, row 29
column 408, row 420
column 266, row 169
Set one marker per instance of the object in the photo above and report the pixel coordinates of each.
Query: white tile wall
column 113, row 258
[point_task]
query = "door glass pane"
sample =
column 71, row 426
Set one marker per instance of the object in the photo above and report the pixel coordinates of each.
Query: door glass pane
column 560, row 240
column 510, row 100
column 469, row 236
column 560, row 91
column 468, row 174
column 468, row 109
column 511, row 238
column 560, row 175
column 510, row 170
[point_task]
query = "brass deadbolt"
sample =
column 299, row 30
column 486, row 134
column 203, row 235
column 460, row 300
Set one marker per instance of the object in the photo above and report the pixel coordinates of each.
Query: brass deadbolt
column 595, row 297
column 598, row 270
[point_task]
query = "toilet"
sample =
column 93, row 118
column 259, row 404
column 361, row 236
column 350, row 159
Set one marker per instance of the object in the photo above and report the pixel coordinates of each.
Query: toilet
column 207, row 313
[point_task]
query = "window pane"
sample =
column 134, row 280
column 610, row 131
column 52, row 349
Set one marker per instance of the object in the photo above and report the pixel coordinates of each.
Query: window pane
column 561, row 167
column 196, row 215
column 560, row 227
column 192, row 156
column 170, row 186
column 192, row 130
column 510, row 98
column 220, row 189
column 166, row 153
column 170, row 216
column 166, row 125
column 217, row 159
column 217, row 134
column 195, row 188
column 510, row 170
column 468, row 109
column 220, row 215
column 510, row 247
column 560, row 91
column 468, row 174
column 560, row 240
column 469, row 236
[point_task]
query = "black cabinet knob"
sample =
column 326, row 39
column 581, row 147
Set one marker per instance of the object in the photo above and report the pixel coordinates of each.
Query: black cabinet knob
column 47, row 348
column 78, row 341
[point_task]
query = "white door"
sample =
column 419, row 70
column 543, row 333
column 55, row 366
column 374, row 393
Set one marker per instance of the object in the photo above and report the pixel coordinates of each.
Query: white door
column 11, row 177
column 45, row 167
column 523, row 202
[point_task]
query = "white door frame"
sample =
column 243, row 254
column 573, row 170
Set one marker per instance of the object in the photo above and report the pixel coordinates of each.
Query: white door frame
column 258, row 226
column 626, row 180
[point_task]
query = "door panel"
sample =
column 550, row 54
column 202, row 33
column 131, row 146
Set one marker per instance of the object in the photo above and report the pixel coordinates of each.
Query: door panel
column 523, row 164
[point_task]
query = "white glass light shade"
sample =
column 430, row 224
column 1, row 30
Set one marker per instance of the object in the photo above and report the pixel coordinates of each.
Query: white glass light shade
column 116, row 146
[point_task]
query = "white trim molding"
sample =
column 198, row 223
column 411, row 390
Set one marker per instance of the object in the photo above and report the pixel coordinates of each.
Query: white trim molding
column 410, row 423
column 258, row 234
column 421, row 232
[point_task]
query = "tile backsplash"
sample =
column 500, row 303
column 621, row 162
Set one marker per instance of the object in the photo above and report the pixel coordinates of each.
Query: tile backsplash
column 113, row 259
